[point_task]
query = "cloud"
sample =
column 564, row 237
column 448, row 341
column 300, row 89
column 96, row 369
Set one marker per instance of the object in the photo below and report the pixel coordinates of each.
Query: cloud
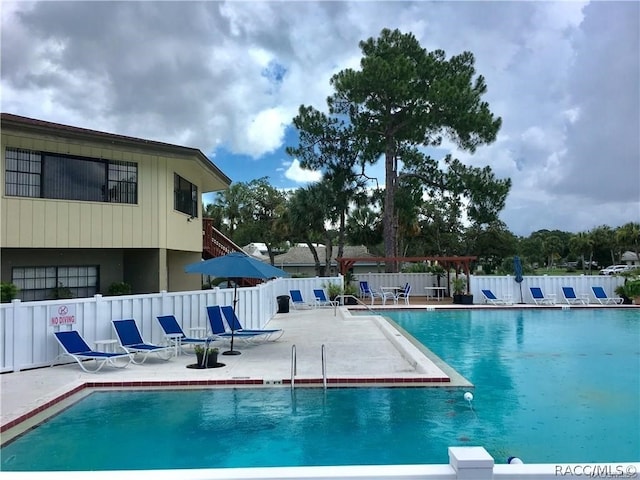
column 229, row 76
column 297, row 174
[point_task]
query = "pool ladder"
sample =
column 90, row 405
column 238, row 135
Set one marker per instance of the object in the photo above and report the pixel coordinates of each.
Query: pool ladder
column 294, row 367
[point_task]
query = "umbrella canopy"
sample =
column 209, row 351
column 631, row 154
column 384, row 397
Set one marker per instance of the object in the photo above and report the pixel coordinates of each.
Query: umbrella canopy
column 517, row 270
column 235, row 265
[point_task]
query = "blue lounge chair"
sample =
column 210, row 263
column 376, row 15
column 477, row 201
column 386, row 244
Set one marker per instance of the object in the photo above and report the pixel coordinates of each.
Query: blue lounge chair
column 75, row 347
column 175, row 334
column 572, row 299
column 322, row 300
column 490, row 297
column 219, row 331
column 268, row 335
column 603, row 299
column 539, row 297
column 297, row 301
column 131, row 341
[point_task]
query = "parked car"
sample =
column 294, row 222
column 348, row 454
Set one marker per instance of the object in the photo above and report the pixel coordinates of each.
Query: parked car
column 614, row 269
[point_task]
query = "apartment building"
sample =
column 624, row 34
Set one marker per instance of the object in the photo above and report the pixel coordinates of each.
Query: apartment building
column 82, row 210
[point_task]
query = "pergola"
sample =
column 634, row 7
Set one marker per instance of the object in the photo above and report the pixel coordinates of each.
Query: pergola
column 458, row 263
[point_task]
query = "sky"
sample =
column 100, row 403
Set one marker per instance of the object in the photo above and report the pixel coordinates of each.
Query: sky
column 228, row 77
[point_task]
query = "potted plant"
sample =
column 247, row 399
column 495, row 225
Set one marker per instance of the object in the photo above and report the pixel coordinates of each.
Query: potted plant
column 8, row 291
column 333, row 290
column 211, row 354
column 353, row 291
column 629, row 292
column 458, row 285
column 119, row 288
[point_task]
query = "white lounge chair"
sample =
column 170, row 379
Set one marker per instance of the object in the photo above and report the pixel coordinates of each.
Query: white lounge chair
column 539, row 298
column 75, row 347
column 603, row 298
column 572, row 299
column 489, row 297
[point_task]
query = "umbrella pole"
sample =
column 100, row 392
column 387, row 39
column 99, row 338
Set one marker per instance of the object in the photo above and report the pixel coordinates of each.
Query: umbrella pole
column 231, row 351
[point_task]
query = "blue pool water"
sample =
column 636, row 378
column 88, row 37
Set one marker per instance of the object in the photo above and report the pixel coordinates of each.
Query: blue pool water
column 550, row 386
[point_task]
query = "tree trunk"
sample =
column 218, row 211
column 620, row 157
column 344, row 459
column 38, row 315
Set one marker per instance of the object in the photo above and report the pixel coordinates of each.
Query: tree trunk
column 389, row 219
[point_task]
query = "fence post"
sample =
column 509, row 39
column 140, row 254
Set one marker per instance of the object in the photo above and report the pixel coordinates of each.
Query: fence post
column 471, row 463
column 15, row 326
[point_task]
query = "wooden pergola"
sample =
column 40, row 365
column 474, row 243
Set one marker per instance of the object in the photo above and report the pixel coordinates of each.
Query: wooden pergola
column 457, row 263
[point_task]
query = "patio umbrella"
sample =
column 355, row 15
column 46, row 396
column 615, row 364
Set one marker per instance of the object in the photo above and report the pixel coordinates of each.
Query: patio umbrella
column 517, row 269
column 235, row 265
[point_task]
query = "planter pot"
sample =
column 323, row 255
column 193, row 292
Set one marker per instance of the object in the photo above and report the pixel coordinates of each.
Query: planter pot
column 350, row 301
column 463, row 299
column 212, row 359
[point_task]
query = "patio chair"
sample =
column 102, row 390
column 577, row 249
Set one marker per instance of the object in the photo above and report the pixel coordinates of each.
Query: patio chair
column 297, row 301
column 131, row 341
column 218, row 330
column 490, row 297
column 572, row 299
column 367, row 292
column 267, row 335
column 175, row 334
column 540, row 299
column 603, row 298
column 75, row 347
column 404, row 294
column 322, row 300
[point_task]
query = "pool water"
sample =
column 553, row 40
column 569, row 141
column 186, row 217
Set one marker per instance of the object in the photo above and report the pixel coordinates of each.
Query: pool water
column 550, row 386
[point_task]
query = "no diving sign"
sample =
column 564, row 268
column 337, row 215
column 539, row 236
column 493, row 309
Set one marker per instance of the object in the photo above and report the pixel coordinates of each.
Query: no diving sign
column 62, row 315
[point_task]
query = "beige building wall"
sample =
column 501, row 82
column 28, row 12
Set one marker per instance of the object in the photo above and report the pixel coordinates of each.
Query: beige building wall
column 152, row 223
column 146, row 244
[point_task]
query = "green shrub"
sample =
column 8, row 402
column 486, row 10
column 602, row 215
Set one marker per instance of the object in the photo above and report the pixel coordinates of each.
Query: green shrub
column 631, row 289
column 8, row 291
column 119, row 288
column 61, row 292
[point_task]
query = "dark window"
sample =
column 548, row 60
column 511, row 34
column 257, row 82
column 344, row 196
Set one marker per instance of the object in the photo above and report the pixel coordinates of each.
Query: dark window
column 46, row 283
column 185, row 196
column 50, row 175
column 22, row 175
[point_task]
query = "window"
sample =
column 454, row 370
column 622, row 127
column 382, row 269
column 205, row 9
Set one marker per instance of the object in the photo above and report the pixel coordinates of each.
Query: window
column 46, row 283
column 185, row 195
column 51, row 175
column 23, row 172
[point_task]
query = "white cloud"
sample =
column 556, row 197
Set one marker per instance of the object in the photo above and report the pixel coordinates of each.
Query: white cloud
column 299, row 175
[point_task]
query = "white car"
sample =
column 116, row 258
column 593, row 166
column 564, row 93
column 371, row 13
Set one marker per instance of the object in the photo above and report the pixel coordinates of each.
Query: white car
column 614, row 269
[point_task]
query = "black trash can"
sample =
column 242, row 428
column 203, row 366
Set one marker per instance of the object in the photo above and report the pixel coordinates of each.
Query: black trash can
column 283, row 303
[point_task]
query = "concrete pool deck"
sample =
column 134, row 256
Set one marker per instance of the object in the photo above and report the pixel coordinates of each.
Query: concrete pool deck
column 361, row 350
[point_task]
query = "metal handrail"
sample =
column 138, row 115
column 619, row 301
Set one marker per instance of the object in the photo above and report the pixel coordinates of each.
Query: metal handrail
column 342, row 297
column 324, row 367
column 294, row 366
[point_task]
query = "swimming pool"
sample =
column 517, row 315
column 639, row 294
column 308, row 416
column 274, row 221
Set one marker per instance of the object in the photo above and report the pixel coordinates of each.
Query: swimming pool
column 551, row 386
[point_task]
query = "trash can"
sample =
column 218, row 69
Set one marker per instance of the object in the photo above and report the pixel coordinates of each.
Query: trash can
column 283, row 303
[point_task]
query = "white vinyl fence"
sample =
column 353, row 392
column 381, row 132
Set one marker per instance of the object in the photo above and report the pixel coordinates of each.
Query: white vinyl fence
column 502, row 286
column 26, row 328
